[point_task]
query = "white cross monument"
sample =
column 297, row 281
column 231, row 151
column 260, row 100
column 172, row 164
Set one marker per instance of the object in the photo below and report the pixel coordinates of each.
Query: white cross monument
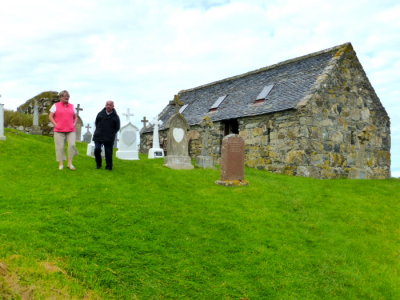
column 156, row 151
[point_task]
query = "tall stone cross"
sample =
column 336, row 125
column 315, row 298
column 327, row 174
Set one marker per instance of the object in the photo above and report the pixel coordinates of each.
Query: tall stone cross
column 178, row 103
column 88, row 127
column 128, row 115
column 36, row 114
column 144, row 121
column 78, row 108
column 156, row 139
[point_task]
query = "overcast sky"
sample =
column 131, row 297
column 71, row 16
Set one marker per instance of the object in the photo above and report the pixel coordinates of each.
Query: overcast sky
column 140, row 53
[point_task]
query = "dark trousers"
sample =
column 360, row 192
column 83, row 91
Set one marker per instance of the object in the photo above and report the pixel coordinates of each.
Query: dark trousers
column 108, row 152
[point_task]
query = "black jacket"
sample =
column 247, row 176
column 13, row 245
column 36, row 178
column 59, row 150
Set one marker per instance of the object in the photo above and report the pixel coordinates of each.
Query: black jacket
column 107, row 126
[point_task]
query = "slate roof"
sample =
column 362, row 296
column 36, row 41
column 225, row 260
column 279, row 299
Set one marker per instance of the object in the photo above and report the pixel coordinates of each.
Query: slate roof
column 292, row 80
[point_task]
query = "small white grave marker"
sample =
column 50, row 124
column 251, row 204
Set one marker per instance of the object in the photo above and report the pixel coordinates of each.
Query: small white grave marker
column 156, row 151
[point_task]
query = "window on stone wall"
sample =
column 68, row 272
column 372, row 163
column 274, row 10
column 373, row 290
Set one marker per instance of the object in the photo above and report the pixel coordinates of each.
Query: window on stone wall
column 231, row 126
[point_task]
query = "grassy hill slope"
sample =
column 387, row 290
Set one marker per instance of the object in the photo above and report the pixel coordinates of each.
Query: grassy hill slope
column 144, row 231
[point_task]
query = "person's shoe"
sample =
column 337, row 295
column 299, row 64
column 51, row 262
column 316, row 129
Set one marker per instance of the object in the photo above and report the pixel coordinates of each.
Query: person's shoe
column 98, row 167
column 109, row 168
column 71, row 167
column 60, row 167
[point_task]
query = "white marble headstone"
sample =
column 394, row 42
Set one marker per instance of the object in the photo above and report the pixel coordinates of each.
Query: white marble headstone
column 127, row 149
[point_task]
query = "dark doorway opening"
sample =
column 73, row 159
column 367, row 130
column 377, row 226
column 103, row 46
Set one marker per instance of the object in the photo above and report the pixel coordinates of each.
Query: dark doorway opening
column 231, row 126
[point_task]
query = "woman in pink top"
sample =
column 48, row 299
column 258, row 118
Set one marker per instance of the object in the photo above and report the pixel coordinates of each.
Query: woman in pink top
column 63, row 117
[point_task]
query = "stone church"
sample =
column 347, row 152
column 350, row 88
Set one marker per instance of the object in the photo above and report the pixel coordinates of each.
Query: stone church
column 315, row 116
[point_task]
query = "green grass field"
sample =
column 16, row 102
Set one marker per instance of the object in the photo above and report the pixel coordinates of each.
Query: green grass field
column 144, row 231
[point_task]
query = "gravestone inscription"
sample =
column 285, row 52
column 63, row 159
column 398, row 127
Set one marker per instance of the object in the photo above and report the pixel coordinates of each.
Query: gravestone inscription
column 232, row 161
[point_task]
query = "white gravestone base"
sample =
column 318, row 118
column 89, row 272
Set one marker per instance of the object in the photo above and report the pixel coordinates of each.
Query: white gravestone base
column 156, row 153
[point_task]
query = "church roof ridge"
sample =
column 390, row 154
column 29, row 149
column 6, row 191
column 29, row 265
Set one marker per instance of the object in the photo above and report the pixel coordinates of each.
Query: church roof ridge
column 270, row 67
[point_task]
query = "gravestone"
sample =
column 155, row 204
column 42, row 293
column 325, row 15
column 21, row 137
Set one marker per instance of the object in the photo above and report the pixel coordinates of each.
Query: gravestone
column 177, row 146
column 78, row 124
column 232, row 161
column 115, row 145
column 205, row 160
column 156, row 151
column 2, row 136
column 35, row 126
column 90, row 150
column 87, row 137
column 127, row 140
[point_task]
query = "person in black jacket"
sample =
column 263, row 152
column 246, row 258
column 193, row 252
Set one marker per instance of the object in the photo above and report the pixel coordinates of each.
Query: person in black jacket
column 107, row 125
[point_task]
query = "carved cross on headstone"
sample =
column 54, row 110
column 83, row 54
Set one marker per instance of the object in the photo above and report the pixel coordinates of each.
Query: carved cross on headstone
column 144, row 121
column 88, row 127
column 178, row 103
column 78, row 108
column 128, row 115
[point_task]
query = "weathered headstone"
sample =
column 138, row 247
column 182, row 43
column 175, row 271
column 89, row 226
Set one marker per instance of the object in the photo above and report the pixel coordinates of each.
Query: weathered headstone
column 177, row 146
column 232, row 161
column 35, row 126
column 156, row 151
column 127, row 142
column 87, row 137
column 78, row 124
column 205, row 160
column 2, row 136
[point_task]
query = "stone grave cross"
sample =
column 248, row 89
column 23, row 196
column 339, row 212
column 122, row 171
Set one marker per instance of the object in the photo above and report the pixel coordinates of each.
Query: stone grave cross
column 156, row 140
column 88, row 127
column 128, row 115
column 144, row 121
column 205, row 160
column 35, row 125
column 78, row 108
column 178, row 103
column 87, row 137
column 156, row 151
column 36, row 114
